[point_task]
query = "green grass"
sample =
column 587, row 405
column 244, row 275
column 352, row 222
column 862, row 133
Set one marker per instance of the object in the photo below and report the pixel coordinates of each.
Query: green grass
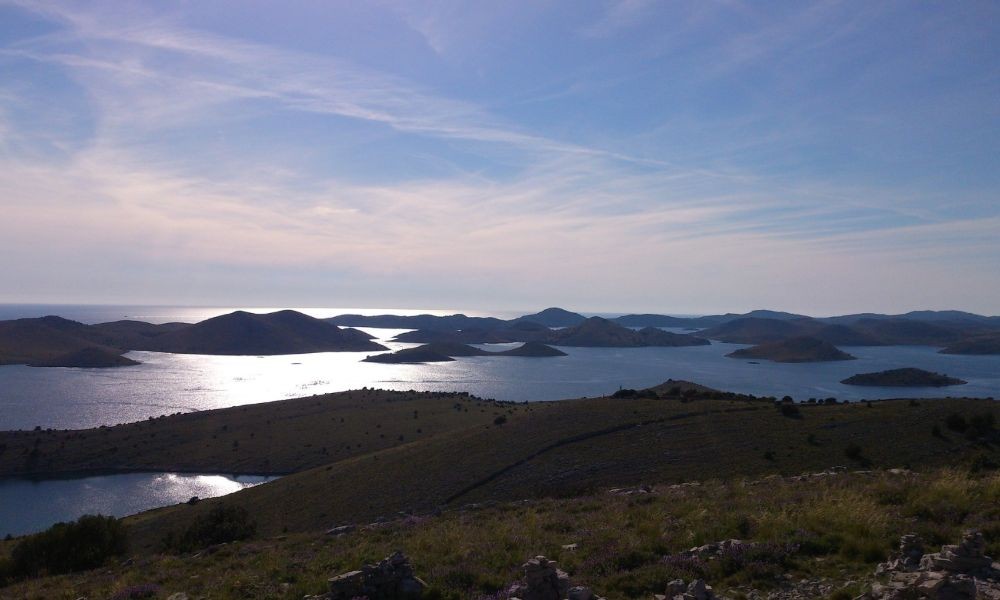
column 842, row 525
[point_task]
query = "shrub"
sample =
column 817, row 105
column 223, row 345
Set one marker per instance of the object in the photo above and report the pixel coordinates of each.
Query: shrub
column 853, row 452
column 981, row 424
column 66, row 547
column 221, row 524
column 791, row 411
column 956, row 422
column 500, row 420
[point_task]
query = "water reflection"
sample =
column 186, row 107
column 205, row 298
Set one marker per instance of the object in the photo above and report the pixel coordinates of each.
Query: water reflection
column 27, row 506
column 168, row 383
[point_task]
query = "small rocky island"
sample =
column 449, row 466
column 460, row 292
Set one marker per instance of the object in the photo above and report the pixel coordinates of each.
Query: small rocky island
column 906, row 377
column 794, row 350
column 446, row 351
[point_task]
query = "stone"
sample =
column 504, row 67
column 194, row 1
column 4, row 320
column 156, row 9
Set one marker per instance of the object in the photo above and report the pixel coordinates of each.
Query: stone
column 341, row 530
column 178, row 596
column 579, row 593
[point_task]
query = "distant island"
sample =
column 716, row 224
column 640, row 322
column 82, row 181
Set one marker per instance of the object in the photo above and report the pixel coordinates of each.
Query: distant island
column 595, row 332
column 93, row 357
column 984, row 344
column 53, row 341
column 447, row 351
column 795, row 350
column 906, row 377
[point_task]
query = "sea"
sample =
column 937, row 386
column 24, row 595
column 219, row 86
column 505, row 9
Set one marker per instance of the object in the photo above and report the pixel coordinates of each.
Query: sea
column 67, row 398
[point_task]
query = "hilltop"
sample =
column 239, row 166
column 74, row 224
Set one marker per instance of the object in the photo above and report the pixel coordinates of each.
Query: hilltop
column 47, row 341
column 599, row 332
column 446, row 351
column 799, row 349
column 906, row 377
column 982, row 344
column 245, row 333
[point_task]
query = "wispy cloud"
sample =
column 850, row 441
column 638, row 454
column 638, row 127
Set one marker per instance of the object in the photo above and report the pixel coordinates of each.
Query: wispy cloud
column 562, row 210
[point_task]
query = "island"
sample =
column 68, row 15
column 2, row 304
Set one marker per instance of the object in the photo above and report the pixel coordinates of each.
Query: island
column 446, row 351
column 794, row 350
column 981, row 344
column 905, row 377
column 93, row 357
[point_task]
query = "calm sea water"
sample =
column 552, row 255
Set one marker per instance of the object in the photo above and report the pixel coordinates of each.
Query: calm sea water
column 167, row 383
column 29, row 506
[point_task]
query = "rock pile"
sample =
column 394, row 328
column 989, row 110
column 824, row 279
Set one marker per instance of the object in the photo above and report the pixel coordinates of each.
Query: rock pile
column 959, row 572
column 696, row 590
column 543, row 580
column 718, row 548
column 391, row 579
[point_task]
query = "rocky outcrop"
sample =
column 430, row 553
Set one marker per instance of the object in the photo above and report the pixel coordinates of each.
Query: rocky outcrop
column 543, row 580
column 679, row 590
column 391, row 579
column 959, row 572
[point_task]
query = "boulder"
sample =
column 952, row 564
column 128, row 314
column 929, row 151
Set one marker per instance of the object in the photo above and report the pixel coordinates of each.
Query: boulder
column 391, row 579
column 959, row 572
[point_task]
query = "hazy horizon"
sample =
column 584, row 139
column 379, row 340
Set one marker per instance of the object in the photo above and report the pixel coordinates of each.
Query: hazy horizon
column 603, row 156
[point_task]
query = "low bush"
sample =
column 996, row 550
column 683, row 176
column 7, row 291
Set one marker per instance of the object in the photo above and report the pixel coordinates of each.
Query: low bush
column 67, row 547
column 222, row 524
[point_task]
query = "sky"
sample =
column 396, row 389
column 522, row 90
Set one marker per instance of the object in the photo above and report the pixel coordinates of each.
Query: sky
column 614, row 155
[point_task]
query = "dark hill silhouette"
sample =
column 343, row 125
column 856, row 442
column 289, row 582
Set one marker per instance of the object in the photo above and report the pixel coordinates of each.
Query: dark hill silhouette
column 532, row 349
column 981, row 344
column 758, row 330
column 907, row 332
column 244, row 333
column 554, row 317
column 651, row 320
column 93, row 357
column 129, row 334
column 906, row 377
column 441, row 351
column 426, row 322
column 463, row 336
column 799, row 349
column 24, row 341
column 599, row 332
column 420, row 354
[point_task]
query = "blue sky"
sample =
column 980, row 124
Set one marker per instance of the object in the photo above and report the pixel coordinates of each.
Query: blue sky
column 607, row 156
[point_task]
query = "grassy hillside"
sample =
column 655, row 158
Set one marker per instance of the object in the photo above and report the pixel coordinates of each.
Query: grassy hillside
column 826, row 533
column 567, row 448
column 274, row 437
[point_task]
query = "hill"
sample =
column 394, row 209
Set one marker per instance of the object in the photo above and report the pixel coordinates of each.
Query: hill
column 650, row 320
column 37, row 341
column 907, row 332
column 426, row 322
column 810, row 535
column 420, row 354
column 798, row 349
column 757, row 330
column 244, row 333
column 442, row 351
column 600, row 332
column 906, row 377
column 553, row 317
column 436, row 450
column 93, row 357
column 531, row 349
column 982, row 344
